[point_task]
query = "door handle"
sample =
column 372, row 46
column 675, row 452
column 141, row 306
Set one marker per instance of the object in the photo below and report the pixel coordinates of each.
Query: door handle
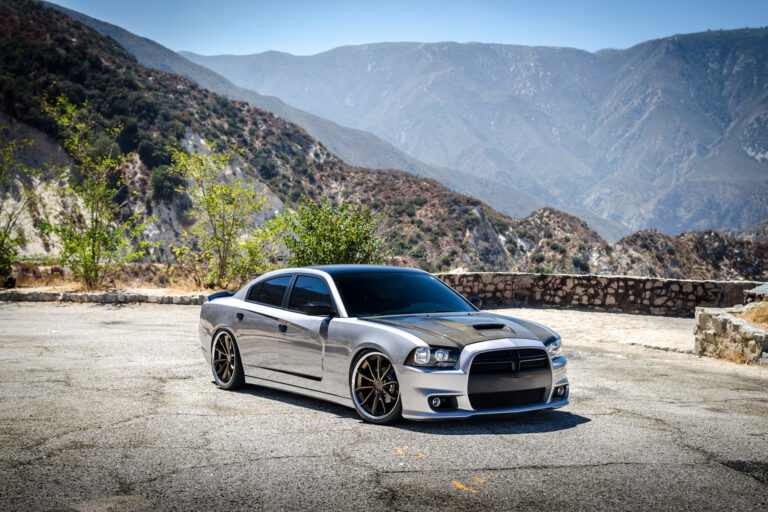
column 239, row 316
column 282, row 327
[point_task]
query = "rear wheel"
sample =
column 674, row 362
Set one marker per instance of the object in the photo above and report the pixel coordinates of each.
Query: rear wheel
column 375, row 390
column 225, row 362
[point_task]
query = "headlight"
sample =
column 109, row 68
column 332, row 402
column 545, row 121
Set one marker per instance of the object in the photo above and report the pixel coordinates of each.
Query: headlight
column 554, row 347
column 433, row 357
column 421, row 356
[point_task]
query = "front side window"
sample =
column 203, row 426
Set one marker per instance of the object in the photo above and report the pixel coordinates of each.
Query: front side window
column 273, row 290
column 309, row 289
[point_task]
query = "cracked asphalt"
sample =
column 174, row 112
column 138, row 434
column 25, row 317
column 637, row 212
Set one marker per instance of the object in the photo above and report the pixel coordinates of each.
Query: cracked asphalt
column 112, row 408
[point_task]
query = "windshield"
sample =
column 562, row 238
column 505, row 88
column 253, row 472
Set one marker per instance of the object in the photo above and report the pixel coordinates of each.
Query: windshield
column 397, row 293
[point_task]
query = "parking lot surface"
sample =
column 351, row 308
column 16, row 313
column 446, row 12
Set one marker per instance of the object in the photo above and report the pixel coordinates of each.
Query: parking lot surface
column 113, row 408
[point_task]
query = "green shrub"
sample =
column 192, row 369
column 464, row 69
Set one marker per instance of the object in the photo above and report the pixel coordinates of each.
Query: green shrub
column 328, row 233
column 92, row 240
column 12, row 175
column 580, row 264
column 165, row 183
column 556, row 247
column 219, row 249
column 537, row 258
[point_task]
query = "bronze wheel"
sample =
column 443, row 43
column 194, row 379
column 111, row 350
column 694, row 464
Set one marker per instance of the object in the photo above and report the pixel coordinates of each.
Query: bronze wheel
column 375, row 390
column 225, row 362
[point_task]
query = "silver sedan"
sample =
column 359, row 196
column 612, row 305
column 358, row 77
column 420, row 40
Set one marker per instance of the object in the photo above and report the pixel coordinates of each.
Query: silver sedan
column 390, row 342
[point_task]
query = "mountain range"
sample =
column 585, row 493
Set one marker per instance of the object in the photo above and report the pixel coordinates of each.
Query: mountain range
column 45, row 53
column 356, row 147
column 671, row 134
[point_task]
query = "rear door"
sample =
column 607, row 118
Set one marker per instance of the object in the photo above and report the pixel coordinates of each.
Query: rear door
column 258, row 323
column 302, row 341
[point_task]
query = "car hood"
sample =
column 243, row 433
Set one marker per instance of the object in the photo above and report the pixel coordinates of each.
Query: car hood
column 456, row 330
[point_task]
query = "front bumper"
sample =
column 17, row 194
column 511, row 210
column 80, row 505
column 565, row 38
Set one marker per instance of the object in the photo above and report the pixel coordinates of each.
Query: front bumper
column 418, row 385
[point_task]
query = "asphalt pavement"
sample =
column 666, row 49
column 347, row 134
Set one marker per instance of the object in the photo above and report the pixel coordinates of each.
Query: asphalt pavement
column 107, row 407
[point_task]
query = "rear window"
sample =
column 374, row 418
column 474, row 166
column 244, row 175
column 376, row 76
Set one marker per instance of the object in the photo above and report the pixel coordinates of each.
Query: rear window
column 273, row 290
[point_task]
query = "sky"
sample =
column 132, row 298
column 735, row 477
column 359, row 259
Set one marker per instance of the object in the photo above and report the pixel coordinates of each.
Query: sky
column 305, row 27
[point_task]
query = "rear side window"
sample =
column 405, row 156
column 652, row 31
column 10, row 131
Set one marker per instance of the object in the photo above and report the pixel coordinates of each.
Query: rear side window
column 253, row 293
column 309, row 289
column 272, row 291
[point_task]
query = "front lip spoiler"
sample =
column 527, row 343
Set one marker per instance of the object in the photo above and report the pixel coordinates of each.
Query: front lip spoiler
column 464, row 414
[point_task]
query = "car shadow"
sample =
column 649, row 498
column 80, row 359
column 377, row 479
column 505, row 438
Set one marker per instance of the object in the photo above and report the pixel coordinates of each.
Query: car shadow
column 534, row 422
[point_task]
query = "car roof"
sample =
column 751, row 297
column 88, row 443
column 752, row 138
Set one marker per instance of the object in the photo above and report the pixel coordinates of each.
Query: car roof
column 337, row 270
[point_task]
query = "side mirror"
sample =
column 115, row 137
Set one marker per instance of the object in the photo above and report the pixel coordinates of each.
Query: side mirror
column 317, row 309
column 476, row 301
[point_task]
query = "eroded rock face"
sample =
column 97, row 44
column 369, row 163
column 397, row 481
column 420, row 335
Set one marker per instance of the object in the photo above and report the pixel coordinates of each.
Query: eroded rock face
column 485, row 243
column 721, row 334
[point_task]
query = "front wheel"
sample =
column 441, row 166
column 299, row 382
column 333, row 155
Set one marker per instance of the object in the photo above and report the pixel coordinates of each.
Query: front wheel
column 225, row 362
column 375, row 390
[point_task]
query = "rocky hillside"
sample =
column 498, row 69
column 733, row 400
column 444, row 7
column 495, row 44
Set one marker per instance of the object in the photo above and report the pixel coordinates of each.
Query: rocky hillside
column 356, row 147
column 552, row 241
column 46, row 53
column 671, row 134
column 755, row 233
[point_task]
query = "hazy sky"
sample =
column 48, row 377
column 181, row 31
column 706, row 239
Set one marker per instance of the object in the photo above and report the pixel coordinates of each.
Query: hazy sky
column 304, row 27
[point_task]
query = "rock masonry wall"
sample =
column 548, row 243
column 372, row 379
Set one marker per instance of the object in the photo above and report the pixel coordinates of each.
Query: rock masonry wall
column 606, row 293
column 721, row 334
column 653, row 296
column 101, row 298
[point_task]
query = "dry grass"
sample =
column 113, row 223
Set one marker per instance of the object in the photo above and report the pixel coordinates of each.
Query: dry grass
column 139, row 277
column 757, row 316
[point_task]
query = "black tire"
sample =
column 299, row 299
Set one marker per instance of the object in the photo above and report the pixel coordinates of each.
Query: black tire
column 375, row 389
column 225, row 361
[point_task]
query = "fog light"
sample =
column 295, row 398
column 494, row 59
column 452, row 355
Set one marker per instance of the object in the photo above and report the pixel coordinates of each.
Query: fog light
column 421, row 356
column 442, row 403
column 560, row 391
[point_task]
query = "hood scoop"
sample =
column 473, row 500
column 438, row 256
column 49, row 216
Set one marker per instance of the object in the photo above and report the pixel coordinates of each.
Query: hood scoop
column 490, row 327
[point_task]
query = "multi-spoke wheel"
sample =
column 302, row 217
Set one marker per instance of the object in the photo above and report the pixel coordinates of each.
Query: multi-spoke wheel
column 225, row 362
column 375, row 390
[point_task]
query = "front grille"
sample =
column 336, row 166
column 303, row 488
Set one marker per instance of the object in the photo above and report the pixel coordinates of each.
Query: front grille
column 503, row 361
column 508, row 378
column 502, row 399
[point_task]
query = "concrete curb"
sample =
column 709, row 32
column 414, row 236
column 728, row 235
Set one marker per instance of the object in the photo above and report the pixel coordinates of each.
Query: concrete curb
column 102, row 298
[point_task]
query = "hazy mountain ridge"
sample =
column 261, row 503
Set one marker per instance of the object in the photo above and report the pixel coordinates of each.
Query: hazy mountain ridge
column 646, row 136
column 356, row 147
column 43, row 51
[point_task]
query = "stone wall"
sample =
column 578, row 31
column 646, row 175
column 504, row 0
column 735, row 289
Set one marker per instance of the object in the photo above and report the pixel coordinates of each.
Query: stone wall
column 758, row 294
column 720, row 334
column 653, row 296
column 101, row 298
column 605, row 293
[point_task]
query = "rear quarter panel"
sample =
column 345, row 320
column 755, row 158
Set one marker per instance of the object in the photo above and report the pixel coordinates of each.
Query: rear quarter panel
column 214, row 316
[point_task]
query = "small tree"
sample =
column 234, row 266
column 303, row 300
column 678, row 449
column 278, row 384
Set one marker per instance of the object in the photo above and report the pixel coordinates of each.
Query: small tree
column 15, row 196
column 328, row 233
column 220, row 249
column 93, row 241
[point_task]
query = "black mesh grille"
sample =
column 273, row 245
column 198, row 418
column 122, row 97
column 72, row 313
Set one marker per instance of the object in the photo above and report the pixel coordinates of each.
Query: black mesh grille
column 501, row 361
column 501, row 399
column 495, row 383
